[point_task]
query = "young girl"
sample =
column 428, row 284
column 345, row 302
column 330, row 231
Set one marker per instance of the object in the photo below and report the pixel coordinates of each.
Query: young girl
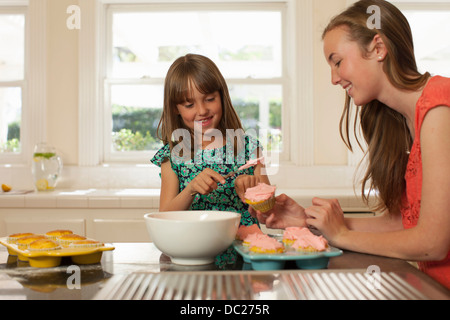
column 405, row 120
column 204, row 141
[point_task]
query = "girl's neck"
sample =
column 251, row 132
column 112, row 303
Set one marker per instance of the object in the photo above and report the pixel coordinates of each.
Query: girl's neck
column 402, row 101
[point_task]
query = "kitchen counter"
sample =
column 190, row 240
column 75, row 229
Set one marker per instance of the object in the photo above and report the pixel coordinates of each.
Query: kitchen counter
column 131, row 264
column 133, row 198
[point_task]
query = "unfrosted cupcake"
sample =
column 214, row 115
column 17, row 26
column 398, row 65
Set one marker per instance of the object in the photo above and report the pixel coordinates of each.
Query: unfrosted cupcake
column 88, row 243
column 267, row 245
column 12, row 239
column 24, row 242
column 261, row 197
column 55, row 234
column 43, row 245
column 66, row 239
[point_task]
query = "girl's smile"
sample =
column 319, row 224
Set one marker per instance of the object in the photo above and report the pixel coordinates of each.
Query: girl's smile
column 206, row 122
column 202, row 110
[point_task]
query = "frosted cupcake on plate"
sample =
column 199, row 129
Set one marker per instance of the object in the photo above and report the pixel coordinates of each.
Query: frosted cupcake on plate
column 291, row 234
column 251, row 238
column 266, row 244
column 261, row 197
column 308, row 242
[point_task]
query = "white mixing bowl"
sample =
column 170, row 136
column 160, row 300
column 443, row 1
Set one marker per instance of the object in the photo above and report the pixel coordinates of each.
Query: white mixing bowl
column 192, row 237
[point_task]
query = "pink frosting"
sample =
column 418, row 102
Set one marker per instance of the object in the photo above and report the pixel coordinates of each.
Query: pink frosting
column 253, row 237
column 259, row 193
column 251, row 163
column 306, row 238
column 293, row 233
column 266, row 242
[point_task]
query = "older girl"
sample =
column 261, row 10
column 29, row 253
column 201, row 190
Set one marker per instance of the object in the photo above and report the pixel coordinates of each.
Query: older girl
column 405, row 121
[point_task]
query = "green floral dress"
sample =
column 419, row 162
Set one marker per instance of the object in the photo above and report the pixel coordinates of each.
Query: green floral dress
column 224, row 198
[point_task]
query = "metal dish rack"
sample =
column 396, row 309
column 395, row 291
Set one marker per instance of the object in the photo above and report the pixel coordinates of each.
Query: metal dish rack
column 242, row 285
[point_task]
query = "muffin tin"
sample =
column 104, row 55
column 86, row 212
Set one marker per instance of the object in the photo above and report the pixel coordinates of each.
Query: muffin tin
column 303, row 260
column 52, row 258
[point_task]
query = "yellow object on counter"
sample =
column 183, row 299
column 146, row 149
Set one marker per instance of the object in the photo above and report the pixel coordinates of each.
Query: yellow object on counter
column 52, row 257
column 42, row 185
column 6, row 188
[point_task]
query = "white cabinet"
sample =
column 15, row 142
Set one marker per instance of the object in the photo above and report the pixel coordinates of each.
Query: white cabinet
column 120, row 230
column 40, row 225
column 106, row 225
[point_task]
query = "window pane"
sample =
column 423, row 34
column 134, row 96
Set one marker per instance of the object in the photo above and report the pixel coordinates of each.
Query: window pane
column 432, row 48
column 10, row 119
column 136, row 111
column 12, row 32
column 242, row 43
column 259, row 108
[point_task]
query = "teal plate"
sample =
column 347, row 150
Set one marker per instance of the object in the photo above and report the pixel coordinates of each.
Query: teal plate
column 303, row 260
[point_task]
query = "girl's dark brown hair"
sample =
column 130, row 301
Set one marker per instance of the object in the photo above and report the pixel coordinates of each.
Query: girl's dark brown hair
column 384, row 129
column 201, row 72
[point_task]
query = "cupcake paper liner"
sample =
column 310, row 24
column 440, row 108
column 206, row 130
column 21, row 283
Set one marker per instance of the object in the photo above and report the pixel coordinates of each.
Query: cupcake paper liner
column 86, row 245
column 264, row 206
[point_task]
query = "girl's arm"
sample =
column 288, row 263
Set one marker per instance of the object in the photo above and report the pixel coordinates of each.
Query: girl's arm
column 170, row 191
column 171, row 199
column 383, row 222
column 430, row 239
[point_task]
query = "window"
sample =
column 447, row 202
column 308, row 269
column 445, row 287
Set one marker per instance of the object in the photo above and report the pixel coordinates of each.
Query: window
column 12, row 79
column 429, row 21
column 245, row 41
column 432, row 51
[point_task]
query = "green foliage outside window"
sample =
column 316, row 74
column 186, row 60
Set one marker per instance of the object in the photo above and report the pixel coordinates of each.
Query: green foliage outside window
column 135, row 129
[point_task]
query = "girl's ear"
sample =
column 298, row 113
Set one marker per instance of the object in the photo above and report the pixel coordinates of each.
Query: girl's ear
column 378, row 48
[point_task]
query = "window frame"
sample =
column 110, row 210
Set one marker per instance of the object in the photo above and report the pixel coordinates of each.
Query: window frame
column 177, row 6
column 92, row 70
column 22, row 84
column 33, row 126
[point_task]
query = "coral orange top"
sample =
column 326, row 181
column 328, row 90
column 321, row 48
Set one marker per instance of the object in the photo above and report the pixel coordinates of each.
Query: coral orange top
column 436, row 93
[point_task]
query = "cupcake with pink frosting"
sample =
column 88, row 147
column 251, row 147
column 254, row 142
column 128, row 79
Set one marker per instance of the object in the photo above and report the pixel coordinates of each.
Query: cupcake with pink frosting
column 291, row 234
column 261, row 197
column 251, row 238
column 265, row 244
column 305, row 241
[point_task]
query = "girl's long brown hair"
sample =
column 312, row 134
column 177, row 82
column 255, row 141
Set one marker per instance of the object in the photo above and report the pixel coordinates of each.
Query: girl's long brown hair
column 384, row 129
column 201, row 72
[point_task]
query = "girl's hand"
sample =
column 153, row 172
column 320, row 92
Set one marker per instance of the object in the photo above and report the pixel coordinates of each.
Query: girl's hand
column 243, row 182
column 205, row 182
column 285, row 213
column 327, row 216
